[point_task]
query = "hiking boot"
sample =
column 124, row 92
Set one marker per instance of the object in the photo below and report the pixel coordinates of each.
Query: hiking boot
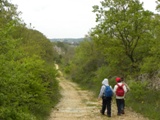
column 101, row 112
column 122, row 111
column 108, row 115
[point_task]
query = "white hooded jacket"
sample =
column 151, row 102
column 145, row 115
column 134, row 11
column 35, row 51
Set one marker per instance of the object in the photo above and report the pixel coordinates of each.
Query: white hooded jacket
column 104, row 84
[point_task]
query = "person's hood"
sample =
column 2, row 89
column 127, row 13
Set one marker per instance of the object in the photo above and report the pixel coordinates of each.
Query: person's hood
column 105, row 82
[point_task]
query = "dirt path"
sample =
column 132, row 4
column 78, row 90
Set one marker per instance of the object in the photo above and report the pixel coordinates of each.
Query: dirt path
column 78, row 104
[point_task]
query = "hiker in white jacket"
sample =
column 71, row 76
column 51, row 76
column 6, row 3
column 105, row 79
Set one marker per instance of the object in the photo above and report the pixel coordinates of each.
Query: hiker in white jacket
column 106, row 101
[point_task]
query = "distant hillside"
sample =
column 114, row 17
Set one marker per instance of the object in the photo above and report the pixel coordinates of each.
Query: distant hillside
column 67, row 40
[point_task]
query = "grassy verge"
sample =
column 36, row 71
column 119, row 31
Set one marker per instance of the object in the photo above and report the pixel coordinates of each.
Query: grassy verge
column 144, row 100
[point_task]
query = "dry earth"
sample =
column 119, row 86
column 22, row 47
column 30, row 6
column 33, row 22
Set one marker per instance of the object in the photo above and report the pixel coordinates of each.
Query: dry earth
column 78, row 104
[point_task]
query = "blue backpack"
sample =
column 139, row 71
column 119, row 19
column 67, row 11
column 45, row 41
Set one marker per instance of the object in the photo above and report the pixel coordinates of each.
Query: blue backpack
column 108, row 92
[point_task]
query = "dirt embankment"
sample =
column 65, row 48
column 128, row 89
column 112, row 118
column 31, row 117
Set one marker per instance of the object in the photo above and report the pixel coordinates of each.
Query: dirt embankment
column 78, row 104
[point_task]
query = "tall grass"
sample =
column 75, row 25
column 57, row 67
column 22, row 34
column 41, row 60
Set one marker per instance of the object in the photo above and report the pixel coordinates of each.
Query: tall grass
column 144, row 100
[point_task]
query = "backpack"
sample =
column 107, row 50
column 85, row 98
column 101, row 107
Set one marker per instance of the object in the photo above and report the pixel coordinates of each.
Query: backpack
column 108, row 91
column 120, row 90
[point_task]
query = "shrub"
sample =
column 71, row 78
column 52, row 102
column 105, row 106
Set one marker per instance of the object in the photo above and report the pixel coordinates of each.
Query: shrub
column 144, row 100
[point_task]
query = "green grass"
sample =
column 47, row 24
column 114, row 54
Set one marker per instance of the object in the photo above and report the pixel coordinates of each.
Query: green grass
column 144, row 101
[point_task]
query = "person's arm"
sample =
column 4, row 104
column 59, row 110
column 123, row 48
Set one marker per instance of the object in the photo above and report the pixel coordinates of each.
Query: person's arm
column 112, row 90
column 115, row 88
column 124, row 88
column 128, row 89
column 101, row 92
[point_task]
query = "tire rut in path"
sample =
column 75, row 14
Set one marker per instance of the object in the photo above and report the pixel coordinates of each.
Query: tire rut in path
column 78, row 104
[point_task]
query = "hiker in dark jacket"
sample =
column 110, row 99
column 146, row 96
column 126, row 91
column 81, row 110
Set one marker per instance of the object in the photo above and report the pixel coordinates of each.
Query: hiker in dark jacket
column 106, row 101
column 128, row 89
column 122, row 80
column 120, row 98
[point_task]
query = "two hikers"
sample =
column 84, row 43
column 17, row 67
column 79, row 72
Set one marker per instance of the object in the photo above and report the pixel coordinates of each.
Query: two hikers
column 119, row 90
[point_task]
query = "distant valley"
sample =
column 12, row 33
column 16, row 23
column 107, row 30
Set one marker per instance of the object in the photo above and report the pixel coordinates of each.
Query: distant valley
column 67, row 40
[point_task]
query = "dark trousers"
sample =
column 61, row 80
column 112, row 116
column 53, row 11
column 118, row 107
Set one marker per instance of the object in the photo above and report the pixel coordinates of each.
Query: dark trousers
column 123, row 103
column 106, row 102
column 120, row 105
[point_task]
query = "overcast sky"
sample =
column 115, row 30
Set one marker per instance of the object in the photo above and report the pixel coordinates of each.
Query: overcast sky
column 62, row 18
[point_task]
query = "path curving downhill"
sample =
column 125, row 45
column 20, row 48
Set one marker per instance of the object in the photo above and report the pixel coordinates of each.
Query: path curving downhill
column 78, row 104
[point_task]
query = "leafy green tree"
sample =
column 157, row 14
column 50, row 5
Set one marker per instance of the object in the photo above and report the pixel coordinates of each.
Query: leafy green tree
column 158, row 5
column 151, row 62
column 8, row 14
column 125, row 21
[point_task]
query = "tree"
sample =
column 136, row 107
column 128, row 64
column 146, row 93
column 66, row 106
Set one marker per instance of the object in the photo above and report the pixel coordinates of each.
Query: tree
column 158, row 5
column 151, row 62
column 126, row 21
column 8, row 13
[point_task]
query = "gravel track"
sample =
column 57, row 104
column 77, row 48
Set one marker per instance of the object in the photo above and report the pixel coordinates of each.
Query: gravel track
column 78, row 104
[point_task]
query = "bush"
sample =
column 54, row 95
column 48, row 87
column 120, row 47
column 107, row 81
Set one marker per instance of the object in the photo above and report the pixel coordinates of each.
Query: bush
column 27, row 86
column 144, row 100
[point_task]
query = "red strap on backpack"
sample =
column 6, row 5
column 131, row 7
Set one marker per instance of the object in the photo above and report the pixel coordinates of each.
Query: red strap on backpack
column 120, row 85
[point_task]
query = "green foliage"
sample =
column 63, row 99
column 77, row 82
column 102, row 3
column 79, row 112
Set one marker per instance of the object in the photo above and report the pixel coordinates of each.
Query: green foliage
column 127, row 22
column 100, row 74
column 144, row 99
column 28, row 85
column 85, row 63
column 138, row 90
column 34, row 42
column 151, row 62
